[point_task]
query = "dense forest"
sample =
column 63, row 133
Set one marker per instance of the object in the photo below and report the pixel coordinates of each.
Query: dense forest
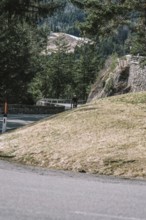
column 114, row 26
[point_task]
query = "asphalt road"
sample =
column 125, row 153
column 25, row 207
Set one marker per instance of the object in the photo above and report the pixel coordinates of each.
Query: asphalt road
column 38, row 194
column 19, row 120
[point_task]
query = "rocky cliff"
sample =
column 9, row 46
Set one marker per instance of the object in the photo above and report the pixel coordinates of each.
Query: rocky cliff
column 120, row 76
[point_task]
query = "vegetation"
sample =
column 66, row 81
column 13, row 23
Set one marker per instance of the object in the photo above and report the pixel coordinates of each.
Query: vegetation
column 67, row 20
column 103, row 137
column 107, row 19
column 21, row 41
column 26, row 75
column 67, row 73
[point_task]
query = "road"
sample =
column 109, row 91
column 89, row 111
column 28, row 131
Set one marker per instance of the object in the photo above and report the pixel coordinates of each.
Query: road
column 37, row 194
column 18, row 120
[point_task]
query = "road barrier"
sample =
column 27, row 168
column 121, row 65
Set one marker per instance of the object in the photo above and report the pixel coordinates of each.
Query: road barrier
column 49, row 101
column 32, row 109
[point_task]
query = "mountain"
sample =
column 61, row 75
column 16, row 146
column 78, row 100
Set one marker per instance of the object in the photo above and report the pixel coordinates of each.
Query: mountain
column 66, row 20
column 57, row 39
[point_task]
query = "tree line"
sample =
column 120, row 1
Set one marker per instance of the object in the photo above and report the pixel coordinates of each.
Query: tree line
column 22, row 39
column 115, row 26
column 114, row 19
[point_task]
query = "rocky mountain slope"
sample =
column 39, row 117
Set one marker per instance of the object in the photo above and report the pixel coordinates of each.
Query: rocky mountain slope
column 120, row 76
column 59, row 39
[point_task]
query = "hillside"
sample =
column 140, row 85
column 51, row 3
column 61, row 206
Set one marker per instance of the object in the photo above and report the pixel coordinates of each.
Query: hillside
column 119, row 76
column 106, row 137
column 66, row 20
column 56, row 40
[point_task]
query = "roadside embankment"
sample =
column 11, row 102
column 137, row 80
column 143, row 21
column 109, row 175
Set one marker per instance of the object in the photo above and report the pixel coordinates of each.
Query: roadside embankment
column 106, row 137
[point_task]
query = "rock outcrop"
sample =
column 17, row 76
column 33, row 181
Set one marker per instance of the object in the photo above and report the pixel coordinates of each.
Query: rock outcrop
column 125, row 75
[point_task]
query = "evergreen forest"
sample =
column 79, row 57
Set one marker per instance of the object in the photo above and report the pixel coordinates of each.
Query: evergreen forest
column 115, row 27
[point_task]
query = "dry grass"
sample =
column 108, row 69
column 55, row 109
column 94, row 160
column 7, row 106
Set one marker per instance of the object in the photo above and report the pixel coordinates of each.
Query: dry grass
column 107, row 137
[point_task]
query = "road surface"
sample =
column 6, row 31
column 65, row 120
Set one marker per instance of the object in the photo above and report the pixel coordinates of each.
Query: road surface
column 18, row 120
column 38, row 194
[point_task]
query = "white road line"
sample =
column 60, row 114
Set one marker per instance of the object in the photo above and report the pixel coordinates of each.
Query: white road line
column 106, row 216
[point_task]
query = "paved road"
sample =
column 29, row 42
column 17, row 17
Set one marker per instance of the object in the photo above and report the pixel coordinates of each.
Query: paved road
column 38, row 194
column 18, row 120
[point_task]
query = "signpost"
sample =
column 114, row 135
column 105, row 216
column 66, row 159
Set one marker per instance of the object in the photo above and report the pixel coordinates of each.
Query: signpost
column 4, row 124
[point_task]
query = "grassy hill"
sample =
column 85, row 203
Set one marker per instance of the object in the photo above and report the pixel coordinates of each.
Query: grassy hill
column 107, row 136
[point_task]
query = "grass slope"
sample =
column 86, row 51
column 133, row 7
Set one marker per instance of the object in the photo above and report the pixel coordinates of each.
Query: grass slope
column 107, row 137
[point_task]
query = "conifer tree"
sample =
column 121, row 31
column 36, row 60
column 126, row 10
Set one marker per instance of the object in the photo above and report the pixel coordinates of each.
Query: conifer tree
column 21, row 43
column 30, row 10
column 105, row 17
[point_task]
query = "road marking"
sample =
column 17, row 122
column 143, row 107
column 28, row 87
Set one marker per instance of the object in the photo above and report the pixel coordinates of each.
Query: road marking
column 106, row 216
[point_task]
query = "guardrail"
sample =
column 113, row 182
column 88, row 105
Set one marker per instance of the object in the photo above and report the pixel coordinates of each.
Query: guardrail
column 47, row 101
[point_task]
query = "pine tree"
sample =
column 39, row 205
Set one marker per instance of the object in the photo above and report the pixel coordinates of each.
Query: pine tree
column 104, row 18
column 138, row 32
column 56, row 80
column 30, row 10
column 21, row 43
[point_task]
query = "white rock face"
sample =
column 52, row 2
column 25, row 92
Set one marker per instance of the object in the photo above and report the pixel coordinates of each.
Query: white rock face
column 137, row 77
column 70, row 40
column 128, row 76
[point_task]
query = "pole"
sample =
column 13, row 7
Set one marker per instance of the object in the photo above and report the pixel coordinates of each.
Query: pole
column 4, row 125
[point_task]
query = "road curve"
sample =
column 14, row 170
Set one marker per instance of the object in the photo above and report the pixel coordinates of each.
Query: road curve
column 18, row 120
column 37, row 194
